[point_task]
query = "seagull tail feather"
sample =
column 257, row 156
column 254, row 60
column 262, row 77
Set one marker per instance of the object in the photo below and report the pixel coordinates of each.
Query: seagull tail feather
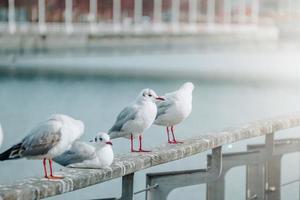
column 12, row 153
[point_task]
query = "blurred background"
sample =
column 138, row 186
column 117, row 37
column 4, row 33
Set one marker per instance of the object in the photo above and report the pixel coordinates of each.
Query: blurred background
column 90, row 58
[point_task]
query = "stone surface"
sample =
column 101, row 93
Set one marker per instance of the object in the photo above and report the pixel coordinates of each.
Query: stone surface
column 37, row 188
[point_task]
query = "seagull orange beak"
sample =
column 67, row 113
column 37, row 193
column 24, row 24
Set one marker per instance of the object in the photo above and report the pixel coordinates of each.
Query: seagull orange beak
column 109, row 142
column 160, row 98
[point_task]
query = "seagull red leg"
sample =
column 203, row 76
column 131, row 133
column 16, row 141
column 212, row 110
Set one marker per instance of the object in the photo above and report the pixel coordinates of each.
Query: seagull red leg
column 168, row 133
column 141, row 148
column 174, row 139
column 45, row 168
column 51, row 172
column 131, row 144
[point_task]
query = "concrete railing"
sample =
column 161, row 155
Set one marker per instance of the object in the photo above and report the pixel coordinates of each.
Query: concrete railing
column 126, row 165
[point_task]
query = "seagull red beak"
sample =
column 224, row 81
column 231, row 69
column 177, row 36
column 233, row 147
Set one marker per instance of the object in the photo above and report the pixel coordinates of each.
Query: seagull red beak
column 160, row 98
column 109, row 142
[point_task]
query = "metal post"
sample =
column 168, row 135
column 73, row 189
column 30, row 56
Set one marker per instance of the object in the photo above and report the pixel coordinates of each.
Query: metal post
column 184, row 178
column 42, row 24
column 11, row 16
column 127, row 187
column 227, row 11
column 175, row 14
column 216, row 190
column 210, row 16
column 269, row 140
column 273, row 178
column 68, row 16
column 116, row 14
column 255, row 187
column 138, row 12
column 93, row 15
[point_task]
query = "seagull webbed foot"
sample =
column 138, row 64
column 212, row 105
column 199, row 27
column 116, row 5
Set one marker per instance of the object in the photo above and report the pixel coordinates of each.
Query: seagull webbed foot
column 53, row 177
column 175, row 142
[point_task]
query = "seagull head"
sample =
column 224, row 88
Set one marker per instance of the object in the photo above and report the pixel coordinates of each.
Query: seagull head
column 102, row 139
column 150, row 95
column 188, row 86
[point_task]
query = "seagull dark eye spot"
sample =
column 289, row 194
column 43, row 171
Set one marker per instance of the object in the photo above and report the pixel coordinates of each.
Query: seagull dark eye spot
column 95, row 139
column 100, row 139
column 150, row 95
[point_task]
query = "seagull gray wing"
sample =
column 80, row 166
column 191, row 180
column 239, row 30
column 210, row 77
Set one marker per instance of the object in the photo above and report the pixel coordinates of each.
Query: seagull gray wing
column 41, row 139
column 127, row 114
column 79, row 152
column 162, row 107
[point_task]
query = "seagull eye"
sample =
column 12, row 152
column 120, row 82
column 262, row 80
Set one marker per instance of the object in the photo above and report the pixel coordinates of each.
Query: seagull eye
column 150, row 95
column 100, row 139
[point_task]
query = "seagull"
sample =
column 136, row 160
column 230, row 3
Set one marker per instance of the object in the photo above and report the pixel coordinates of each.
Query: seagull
column 47, row 140
column 1, row 135
column 134, row 119
column 176, row 108
column 84, row 155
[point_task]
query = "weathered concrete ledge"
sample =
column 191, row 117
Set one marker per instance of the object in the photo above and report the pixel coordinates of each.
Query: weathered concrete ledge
column 37, row 188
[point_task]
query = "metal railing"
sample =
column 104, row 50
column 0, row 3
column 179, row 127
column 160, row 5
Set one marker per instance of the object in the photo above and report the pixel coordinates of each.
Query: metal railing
column 263, row 172
column 126, row 165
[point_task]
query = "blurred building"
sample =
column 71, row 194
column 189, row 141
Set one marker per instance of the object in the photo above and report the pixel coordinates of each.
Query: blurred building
column 99, row 15
column 27, row 11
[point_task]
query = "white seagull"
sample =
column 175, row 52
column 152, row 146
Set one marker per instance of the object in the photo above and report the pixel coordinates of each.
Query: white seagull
column 47, row 140
column 84, row 155
column 1, row 135
column 136, row 118
column 176, row 107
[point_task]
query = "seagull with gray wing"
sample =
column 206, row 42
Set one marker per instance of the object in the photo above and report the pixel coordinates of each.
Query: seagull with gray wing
column 134, row 119
column 84, row 155
column 176, row 108
column 46, row 141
